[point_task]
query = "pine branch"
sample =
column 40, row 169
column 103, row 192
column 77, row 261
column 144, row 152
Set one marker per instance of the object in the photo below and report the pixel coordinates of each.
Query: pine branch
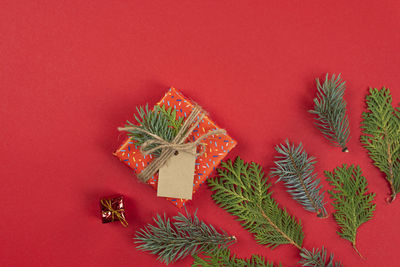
column 158, row 121
column 296, row 169
column 185, row 235
column 317, row 258
column 223, row 258
column 351, row 200
column 174, row 122
column 242, row 190
column 381, row 136
column 330, row 107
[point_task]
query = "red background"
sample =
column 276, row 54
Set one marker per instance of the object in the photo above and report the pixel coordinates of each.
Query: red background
column 72, row 71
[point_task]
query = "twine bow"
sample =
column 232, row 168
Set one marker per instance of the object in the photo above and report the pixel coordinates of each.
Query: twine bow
column 177, row 144
column 107, row 203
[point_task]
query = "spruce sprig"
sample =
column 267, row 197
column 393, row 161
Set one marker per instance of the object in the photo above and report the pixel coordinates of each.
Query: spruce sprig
column 296, row 169
column 351, row 200
column 184, row 235
column 158, row 121
column 330, row 108
column 242, row 190
column 317, row 258
column 381, row 136
column 170, row 113
column 224, row 258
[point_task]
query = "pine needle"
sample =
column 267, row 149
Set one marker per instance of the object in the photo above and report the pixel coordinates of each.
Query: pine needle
column 224, row 258
column 184, row 235
column 158, row 121
column 351, row 200
column 317, row 258
column 330, row 108
column 381, row 136
column 242, row 190
column 296, row 169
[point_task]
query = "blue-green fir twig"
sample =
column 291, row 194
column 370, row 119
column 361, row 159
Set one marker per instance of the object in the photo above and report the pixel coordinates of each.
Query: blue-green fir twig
column 330, row 111
column 317, row 258
column 184, row 235
column 296, row 169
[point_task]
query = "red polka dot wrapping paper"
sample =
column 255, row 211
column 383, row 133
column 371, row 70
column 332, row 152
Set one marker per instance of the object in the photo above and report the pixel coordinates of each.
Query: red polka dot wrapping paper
column 217, row 146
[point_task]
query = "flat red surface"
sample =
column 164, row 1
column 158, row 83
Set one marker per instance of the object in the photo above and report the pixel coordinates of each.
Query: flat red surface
column 72, row 71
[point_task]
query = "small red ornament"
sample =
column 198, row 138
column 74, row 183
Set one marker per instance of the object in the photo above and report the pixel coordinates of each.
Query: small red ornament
column 112, row 209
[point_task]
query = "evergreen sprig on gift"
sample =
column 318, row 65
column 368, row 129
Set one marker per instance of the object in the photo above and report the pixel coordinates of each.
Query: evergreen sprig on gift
column 184, row 235
column 296, row 169
column 330, row 108
column 351, row 200
column 224, row 258
column 381, row 135
column 174, row 122
column 158, row 121
column 317, row 258
column 242, row 190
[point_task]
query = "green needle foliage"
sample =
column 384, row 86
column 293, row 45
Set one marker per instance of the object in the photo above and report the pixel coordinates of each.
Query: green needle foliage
column 242, row 190
column 330, row 108
column 174, row 122
column 381, row 136
column 159, row 121
column 185, row 235
column 351, row 200
column 223, row 258
column 296, row 169
column 317, row 258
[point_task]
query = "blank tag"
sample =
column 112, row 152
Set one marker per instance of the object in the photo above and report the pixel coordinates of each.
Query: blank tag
column 175, row 178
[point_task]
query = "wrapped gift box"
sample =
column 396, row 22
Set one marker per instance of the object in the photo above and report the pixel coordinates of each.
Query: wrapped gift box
column 112, row 209
column 218, row 146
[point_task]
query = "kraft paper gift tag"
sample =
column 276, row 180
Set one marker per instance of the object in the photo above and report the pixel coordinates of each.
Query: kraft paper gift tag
column 175, row 178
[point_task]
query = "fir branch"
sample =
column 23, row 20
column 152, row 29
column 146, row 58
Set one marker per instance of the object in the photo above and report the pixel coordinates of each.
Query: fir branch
column 223, row 258
column 158, row 121
column 185, row 235
column 317, row 258
column 174, row 122
column 296, row 169
column 351, row 200
column 242, row 190
column 381, row 136
column 330, row 107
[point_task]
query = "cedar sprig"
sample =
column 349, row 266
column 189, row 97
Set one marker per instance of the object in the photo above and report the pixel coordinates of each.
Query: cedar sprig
column 318, row 258
column 381, row 136
column 242, row 190
column 159, row 121
column 296, row 169
column 225, row 258
column 184, row 235
column 330, row 108
column 351, row 200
